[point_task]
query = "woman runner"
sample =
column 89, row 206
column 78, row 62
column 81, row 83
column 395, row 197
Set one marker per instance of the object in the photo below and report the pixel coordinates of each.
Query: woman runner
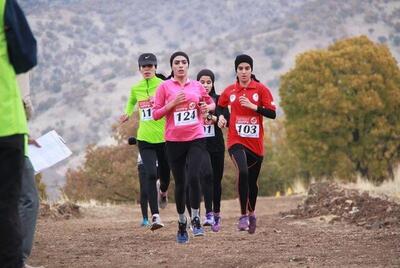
column 150, row 135
column 216, row 149
column 183, row 101
column 249, row 101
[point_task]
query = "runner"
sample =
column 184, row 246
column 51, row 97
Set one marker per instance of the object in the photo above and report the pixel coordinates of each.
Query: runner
column 249, row 101
column 183, row 101
column 216, row 149
column 150, row 135
column 143, row 192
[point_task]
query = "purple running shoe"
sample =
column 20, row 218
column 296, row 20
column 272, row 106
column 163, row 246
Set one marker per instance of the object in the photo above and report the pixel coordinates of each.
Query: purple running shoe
column 243, row 224
column 217, row 224
column 252, row 224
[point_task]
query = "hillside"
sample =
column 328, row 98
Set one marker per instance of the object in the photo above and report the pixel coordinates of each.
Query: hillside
column 88, row 49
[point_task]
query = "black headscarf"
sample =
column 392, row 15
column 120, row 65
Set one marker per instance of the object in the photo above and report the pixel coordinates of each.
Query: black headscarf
column 245, row 58
column 209, row 73
column 173, row 56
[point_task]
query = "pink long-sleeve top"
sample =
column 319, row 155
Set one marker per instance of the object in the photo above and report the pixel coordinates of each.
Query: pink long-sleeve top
column 184, row 121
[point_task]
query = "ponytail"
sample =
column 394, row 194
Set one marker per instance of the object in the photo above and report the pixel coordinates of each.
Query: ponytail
column 254, row 78
column 161, row 76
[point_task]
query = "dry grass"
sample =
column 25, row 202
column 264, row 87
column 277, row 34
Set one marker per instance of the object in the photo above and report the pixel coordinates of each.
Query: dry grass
column 390, row 188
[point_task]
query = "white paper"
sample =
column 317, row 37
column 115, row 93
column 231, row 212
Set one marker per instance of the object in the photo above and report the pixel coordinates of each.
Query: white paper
column 52, row 151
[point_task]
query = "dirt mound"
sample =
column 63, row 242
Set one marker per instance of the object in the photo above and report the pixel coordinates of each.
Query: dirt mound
column 57, row 211
column 347, row 205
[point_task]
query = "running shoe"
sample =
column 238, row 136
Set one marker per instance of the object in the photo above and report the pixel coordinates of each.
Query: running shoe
column 162, row 199
column 182, row 236
column 156, row 222
column 252, row 224
column 145, row 222
column 217, row 224
column 196, row 225
column 243, row 224
column 209, row 219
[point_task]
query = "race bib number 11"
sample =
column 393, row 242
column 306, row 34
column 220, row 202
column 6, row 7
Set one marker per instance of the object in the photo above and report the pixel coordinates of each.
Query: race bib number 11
column 145, row 108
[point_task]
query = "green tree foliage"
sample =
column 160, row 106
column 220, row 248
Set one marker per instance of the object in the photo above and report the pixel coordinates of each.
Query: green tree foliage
column 109, row 173
column 342, row 107
column 281, row 166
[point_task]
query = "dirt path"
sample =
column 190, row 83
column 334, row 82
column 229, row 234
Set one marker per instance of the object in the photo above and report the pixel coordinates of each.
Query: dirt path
column 111, row 237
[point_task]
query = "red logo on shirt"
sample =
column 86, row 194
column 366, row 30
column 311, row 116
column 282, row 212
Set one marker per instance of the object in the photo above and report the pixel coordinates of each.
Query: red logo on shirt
column 192, row 105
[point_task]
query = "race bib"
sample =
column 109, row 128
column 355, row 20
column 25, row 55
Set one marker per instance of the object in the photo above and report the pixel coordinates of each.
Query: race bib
column 146, row 110
column 209, row 130
column 186, row 115
column 248, row 127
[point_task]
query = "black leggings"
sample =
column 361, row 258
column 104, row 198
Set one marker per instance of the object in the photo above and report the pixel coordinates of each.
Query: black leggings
column 206, row 183
column 150, row 153
column 217, row 164
column 143, row 190
column 184, row 158
column 248, row 166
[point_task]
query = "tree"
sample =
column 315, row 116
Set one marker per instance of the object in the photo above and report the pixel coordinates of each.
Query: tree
column 281, row 166
column 342, row 107
column 109, row 173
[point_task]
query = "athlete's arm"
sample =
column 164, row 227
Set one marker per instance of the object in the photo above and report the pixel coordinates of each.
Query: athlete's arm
column 268, row 108
column 130, row 104
column 266, row 112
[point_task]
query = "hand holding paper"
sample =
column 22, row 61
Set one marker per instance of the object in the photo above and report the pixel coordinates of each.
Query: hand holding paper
column 51, row 151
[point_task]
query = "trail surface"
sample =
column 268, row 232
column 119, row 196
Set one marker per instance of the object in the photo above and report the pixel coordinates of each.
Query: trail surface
column 111, row 237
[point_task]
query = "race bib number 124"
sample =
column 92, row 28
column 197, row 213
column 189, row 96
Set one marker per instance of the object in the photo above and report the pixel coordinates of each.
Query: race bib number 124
column 185, row 117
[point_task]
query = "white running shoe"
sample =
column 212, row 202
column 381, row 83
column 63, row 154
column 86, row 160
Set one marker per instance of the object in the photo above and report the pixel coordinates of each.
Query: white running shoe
column 156, row 222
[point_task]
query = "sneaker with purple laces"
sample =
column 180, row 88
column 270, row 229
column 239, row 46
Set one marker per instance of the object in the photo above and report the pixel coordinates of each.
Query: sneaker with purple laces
column 252, row 224
column 243, row 224
column 217, row 223
column 209, row 219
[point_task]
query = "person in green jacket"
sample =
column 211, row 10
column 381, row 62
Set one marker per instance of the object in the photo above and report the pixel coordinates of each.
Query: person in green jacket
column 13, row 128
column 150, row 135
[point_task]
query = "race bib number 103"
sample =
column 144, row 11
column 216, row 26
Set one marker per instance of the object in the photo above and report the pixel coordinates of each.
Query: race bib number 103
column 248, row 127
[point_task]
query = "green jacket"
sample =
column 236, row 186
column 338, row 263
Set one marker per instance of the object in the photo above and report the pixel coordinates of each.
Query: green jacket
column 12, row 115
column 142, row 93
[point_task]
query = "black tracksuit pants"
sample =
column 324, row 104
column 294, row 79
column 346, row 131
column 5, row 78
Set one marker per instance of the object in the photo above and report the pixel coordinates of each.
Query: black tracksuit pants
column 248, row 166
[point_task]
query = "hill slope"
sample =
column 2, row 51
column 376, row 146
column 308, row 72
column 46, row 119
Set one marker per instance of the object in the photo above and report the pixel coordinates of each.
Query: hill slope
column 88, row 49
